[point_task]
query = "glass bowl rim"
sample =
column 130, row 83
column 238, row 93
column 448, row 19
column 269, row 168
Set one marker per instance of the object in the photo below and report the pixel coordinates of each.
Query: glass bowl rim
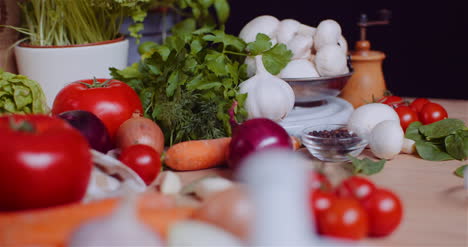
column 305, row 133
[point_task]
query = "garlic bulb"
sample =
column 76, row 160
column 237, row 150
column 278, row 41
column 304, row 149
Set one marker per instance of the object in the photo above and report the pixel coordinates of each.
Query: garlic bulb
column 121, row 228
column 330, row 60
column 328, row 33
column 343, row 44
column 266, row 24
column 300, row 46
column 299, row 68
column 251, row 68
column 267, row 96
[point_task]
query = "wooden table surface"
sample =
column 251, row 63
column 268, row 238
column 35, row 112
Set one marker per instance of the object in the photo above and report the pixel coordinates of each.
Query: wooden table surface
column 435, row 204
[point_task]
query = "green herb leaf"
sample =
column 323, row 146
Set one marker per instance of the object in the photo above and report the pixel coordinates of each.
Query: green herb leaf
column 441, row 128
column 172, row 83
column 366, row 166
column 262, row 43
column 455, row 146
column 412, row 132
column 222, row 10
column 460, row 170
column 276, row 58
column 430, row 151
column 186, row 26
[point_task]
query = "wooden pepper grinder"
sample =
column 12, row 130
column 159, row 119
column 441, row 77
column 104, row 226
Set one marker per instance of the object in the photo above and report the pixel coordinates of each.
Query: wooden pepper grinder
column 367, row 82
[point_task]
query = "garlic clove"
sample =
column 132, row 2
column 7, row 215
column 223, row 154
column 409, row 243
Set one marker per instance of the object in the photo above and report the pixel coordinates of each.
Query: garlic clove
column 266, row 24
column 169, row 183
column 210, row 186
column 330, row 60
column 409, row 146
column 299, row 68
column 328, row 33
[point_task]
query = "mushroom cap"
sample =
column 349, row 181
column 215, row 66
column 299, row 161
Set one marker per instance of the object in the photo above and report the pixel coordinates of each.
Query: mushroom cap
column 266, row 24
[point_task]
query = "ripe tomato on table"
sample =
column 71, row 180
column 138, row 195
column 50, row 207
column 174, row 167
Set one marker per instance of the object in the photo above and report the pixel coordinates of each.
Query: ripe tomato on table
column 406, row 115
column 356, row 187
column 142, row 159
column 418, row 104
column 112, row 101
column 432, row 112
column 384, row 210
column 392, row 100
column 345, row 218
column 43, row 162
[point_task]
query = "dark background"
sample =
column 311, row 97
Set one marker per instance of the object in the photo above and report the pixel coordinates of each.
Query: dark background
column 426, row 43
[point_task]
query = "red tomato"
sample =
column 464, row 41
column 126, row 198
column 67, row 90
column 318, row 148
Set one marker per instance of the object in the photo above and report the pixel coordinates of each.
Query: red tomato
column 111, row 101
column 432, row 112
column 356, row 187
column 385, row 211
column 344, row 219
column 320, row 201
column 144, row 160
column 418, row 104
column 407, row 116
column 318, row 180
column 393, row 101
column 46, row 164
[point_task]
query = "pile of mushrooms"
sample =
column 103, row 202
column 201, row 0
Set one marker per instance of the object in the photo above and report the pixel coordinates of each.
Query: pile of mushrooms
column 316, row 52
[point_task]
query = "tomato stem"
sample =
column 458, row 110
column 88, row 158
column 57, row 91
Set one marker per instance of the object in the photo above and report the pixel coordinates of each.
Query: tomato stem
column 22, row 126
column 96, row 83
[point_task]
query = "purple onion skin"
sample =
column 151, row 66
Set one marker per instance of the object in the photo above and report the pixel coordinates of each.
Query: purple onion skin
column 91, row 127
column 254, row 135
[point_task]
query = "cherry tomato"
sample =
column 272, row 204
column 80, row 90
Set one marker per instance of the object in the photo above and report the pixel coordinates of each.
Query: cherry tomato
column 432, row 112
column 384, row 210
column 44, row 162
column 356, row 187
column 393, row 101
column 418, row 104
column 407, row 116
column 112, row 101
column 144, row 160
column 344, row 219
column 319, row 181
column 320, row 201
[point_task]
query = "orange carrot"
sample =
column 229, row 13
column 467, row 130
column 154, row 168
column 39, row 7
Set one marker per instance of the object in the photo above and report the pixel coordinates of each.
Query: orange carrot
column 196, row 155
column 53, row 226
column 296, row 142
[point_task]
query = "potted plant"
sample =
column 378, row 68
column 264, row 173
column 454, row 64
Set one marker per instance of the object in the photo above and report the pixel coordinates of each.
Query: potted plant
column 65, row 41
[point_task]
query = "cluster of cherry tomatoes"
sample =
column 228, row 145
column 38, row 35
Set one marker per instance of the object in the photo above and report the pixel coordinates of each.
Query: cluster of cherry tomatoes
column 354, row 209
column 420, row 109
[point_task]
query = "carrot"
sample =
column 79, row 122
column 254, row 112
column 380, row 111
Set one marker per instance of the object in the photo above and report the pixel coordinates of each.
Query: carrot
column 53, row 226
column 296, row 142
column 196, row 155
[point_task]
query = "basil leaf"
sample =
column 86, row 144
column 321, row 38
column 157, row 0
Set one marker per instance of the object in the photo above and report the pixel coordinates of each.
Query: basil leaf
column 441, row 128
column 412, row 132
column 460, row 170
column 366, row 166
column 455, row 146
column 430, row 151
column 276, row 58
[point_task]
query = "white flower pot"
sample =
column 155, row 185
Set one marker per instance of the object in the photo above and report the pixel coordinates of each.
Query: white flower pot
column 55, row 66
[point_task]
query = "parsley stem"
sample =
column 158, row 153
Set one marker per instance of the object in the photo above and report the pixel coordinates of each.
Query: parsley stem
column 235, row 53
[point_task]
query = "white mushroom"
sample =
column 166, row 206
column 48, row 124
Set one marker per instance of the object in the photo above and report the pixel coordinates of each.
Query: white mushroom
column 287, row 29
column 299, row 68
column 301, row 46
column 330, row 60
column 343, row 44
column 307, row 30
column 386, row 139
column 328, row 33
column 251, row 67
column 266, row 24
column 366, row 117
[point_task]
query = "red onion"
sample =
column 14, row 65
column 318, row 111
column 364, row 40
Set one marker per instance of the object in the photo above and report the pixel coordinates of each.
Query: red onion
column 256, row 134
column 91, row 127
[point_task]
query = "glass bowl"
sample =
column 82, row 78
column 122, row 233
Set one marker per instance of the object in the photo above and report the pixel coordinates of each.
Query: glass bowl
column 334, row 149
column 310, row 90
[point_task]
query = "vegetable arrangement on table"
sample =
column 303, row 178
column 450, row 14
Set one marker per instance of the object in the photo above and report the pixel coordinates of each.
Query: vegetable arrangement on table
column 212, row 98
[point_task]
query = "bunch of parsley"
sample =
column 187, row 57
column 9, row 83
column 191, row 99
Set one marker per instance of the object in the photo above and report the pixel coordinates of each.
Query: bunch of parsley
column 188, row 83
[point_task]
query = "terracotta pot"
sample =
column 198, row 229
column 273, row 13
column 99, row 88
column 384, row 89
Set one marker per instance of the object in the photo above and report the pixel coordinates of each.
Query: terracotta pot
column 55, row 66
